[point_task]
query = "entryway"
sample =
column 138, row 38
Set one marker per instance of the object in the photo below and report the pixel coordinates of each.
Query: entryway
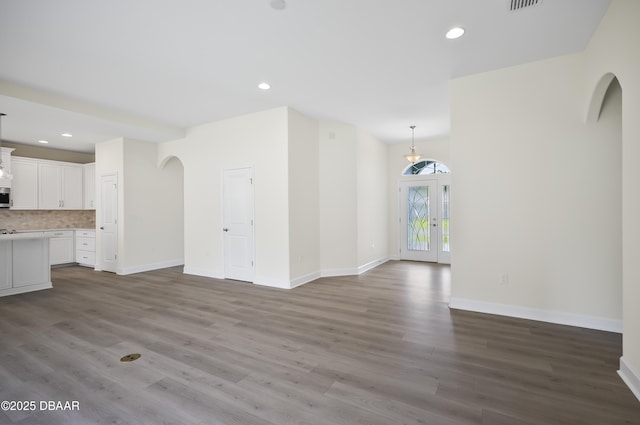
column 424, row 224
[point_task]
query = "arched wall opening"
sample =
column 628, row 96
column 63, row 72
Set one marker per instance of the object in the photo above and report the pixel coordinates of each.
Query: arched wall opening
column 597, row 100
column 173, row 173
column 605, row 109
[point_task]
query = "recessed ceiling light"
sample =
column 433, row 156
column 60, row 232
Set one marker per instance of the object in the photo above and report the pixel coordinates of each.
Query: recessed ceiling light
column 67, row 135
column 264, row 86
column 43, row 142
column 455, row 32
column 278, row 4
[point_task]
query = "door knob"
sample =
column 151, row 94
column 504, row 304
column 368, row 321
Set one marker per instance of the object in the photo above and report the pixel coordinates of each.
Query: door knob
column 225, row 230
column 101, row 228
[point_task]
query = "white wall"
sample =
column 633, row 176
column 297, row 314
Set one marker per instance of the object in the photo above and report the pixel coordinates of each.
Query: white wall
column 522, row 129
column 338, row 198
column 354, row 202
column 537, row 195
column 321, row 192
column 396, row 163
column 153, row 209
column 256, row 140
column 304, row 198
column 614, row 49
column 373, row 200
column 150, row 231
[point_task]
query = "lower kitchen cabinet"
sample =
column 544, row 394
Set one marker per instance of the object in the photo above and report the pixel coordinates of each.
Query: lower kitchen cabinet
column 24, row 263
column 86, row 248
column 30, row 262
column 62, row 250
column 6, row 275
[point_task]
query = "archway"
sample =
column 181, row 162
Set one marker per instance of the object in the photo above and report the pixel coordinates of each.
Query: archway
column 598, row 96
column 605, row 111
column 173, row 172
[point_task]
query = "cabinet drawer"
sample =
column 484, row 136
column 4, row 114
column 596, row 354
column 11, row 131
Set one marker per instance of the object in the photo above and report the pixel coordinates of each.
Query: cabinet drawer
column 85, row 244
column 86, row 233
column 60, row 233
column 86, row 258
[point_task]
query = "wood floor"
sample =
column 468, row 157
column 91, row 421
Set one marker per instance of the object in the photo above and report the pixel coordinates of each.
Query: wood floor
column 381, row 348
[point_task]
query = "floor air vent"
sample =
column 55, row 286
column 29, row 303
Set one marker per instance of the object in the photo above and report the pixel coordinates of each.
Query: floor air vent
column 523, row 4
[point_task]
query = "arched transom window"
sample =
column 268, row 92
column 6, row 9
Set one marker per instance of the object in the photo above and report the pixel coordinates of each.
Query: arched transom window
column 426, row 166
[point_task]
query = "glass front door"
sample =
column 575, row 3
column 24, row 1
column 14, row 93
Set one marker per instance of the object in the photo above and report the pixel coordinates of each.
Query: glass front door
column 424, row 220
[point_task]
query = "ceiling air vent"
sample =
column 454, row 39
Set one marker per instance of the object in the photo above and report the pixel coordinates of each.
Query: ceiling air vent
column 523, row 4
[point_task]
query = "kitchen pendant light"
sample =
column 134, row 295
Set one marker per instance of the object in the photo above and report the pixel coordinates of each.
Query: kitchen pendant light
column 413, row 157
column 3, row 173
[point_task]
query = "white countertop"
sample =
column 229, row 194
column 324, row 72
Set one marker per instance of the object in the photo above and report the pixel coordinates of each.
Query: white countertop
column 23, row 235
column 40, row 233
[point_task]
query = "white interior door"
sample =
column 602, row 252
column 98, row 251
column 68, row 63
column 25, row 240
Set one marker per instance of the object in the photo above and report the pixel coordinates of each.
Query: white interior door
column 238, row 224
column 424, row 220
column 109, row 222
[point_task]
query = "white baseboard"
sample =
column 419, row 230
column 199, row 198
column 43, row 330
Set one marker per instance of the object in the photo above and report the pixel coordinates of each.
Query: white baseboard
column 149, row 267
column 339, row 272
column 630, row 378
column 294, row 283
column 353, row 271
column 590, row 322
column 279, row 284
column 298, row 281
column 304, row 279
column 372, row 265
column 203, row 272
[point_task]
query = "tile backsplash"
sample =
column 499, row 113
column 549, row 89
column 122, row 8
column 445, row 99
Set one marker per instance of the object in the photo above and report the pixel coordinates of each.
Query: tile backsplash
column 46, row 219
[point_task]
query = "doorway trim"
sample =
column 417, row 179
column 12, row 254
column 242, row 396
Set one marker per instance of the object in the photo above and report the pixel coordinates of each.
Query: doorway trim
column 238, row 237
column 100, row 262
column 440, row 180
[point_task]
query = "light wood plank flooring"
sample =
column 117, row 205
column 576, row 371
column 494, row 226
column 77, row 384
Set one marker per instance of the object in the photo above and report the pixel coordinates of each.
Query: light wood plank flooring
column 381, row 348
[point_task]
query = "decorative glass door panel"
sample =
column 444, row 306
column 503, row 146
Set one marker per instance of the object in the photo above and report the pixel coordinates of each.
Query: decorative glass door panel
column 418, row 218
column 444, row 254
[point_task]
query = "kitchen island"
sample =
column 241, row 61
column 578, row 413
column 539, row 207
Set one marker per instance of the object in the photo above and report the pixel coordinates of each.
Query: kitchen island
column 24, row 263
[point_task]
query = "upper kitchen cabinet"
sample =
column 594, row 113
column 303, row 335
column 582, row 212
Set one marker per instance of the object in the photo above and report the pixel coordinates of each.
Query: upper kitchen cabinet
column 5, row 155
column 24, row 191
column 90, row 186
column 60, row 186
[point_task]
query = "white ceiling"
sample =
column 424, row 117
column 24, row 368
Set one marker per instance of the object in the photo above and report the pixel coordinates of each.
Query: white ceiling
column 148, row 69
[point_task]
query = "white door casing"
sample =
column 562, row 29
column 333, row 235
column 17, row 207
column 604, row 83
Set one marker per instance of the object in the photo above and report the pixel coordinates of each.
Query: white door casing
column 424, row 219
column 108, row 227
column 444, row 220
column 238, row 235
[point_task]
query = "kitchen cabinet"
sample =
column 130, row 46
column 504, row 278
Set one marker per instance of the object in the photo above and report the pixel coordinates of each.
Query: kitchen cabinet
column 90, row 186
column 6, row 274
column 59, row 186
column 5, row 155
column 24, row 263
column 86, row 247
column 61, row 247
column 30, row 262
column 24, row 190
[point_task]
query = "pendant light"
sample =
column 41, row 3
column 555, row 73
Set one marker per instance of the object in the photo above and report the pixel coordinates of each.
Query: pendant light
column 3, row 173
column 413, row 157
